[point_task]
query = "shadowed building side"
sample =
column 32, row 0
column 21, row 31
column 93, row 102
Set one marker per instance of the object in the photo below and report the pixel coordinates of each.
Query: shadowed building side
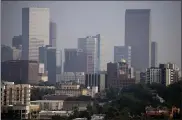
column 137, row 35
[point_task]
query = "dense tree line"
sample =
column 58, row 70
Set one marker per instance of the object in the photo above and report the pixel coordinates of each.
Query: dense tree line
column 37, row 93
column 129, row 103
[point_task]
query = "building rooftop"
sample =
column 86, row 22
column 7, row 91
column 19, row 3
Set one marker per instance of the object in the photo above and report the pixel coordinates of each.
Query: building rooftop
column 55, row 97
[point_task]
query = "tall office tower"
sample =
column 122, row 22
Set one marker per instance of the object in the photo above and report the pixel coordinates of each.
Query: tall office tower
column 35, row 31
column 154, row 54
column 51, row 64
column 53, row 34
column 59, row 61
column 122, row 52
column 75, row 60
column 91, row 46
column 17, row 41
column 137, row 35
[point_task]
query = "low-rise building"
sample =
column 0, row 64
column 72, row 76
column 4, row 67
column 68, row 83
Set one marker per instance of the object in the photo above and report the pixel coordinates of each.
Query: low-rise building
column 47, row 115
column 78, row 77
column 69, row 92
column 49, row 105
column 69, row 89
column 82, row 105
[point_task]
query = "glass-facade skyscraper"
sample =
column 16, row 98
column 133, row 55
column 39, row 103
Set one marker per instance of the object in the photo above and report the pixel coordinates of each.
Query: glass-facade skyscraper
column 91, row 46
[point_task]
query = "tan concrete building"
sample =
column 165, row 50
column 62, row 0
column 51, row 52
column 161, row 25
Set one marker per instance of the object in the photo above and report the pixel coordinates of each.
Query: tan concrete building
column 15, row 94
column 16, row 98
column 69, row 89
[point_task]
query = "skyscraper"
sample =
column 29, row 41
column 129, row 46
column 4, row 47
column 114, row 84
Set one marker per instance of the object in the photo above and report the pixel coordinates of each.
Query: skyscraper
column 75, row 60
column 35, row 31
column 122, row 52
column 137, row 35
column 91, row 46
column 154, row 54
column 17, row 41
column 51, row 64
column 53, row 34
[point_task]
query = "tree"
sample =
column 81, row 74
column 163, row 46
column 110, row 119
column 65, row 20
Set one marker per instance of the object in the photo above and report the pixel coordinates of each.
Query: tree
column 58, row 117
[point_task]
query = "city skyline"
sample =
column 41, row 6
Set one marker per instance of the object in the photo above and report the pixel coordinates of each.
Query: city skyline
column 165, row 34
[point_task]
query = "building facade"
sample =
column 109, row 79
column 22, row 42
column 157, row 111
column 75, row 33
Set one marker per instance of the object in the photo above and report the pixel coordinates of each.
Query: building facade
column 137, row 35
column 53, row 34
column 20, row 71
column 153, row 75
column 51, row 64
column 96, row 80
column 122, row 52
column 91, row 46
column 154, row 54
column 49, row 105
column 75, row 60
column 15, row 94
column 17, row 41
column 6, row 53
column 78, row 77
column 117, row 75
column 35, row 31
column 17, row 53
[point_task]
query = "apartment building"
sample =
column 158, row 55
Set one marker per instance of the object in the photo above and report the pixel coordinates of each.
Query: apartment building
column 153, row 75
column 16, row 98
column 15, row 94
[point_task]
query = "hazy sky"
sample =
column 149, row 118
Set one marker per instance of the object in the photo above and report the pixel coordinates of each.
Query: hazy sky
column 77, row 19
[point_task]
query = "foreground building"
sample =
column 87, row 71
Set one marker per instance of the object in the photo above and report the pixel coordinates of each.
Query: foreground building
column 16, row 98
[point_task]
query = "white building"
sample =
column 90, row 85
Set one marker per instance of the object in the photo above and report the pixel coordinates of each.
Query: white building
column 171, row 76
column 153, row 75
column 73, row 76
column 35, row 31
